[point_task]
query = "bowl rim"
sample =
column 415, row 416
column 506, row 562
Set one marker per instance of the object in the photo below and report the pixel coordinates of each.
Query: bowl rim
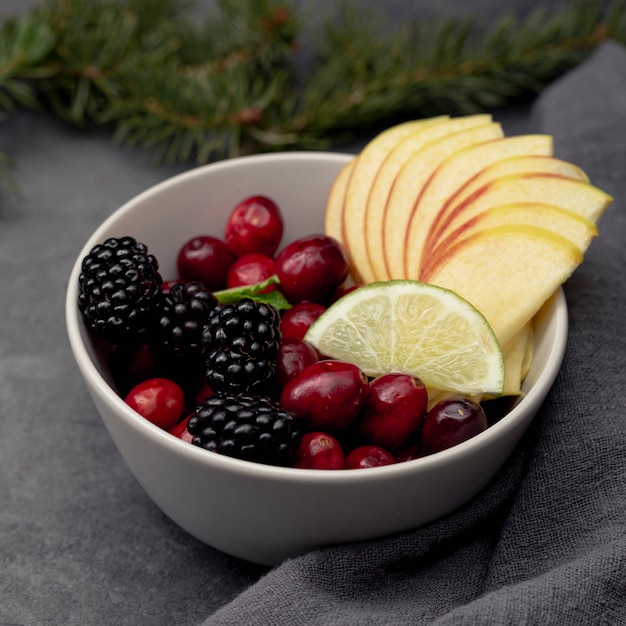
column 98, row 384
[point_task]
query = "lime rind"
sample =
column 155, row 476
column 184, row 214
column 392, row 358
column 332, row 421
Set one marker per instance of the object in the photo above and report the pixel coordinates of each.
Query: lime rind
column 415, row 328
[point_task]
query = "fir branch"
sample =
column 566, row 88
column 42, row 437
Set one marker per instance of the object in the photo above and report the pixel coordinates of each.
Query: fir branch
column 211, row 99
column 24, row 44
column 455, row 69
column 95, row 41
column 231, row 85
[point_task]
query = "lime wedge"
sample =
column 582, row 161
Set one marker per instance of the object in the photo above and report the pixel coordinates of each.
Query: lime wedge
column 414, row 328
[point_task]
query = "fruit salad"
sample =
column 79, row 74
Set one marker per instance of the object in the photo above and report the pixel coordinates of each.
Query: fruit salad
column 388, row 337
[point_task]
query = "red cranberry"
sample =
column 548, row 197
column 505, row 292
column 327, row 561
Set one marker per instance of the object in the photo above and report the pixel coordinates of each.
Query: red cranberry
column 311, row 268
column 180, row 430
column 319, row 451
column 250, row 269
column 207, row 260
column 160, row 400
column 369, row 456
column 255, row 225
column 395, row 407
column 293, row 356
column 297, row 320
column 451, row 422
column 327, row 395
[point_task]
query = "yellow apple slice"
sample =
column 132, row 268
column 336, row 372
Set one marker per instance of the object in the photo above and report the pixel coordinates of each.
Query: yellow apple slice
column 530, row 350
column 525, row 164
column 515, row 354
column 452, row 173
column 574, row 195
column 359, row 181
column 577, row 229
column 436, row 128
column 334, row 203
column 410, row 182
column 507, row 273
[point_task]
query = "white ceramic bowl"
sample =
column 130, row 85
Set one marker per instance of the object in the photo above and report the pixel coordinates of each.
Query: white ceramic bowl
column 263, row 513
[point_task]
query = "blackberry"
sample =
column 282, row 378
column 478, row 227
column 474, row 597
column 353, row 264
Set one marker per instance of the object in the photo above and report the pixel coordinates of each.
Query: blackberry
column 184, row 312
column 241, row 343
column 118, row 287
column 252, row 428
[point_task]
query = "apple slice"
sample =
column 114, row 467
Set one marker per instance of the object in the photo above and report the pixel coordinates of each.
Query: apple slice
column 373, row 268
column 577, row 229
column 507, row 273
column 356, row 217
column 529, row 353
column 359, row 181
column 451, row 174
column 334, row 203
column 515, row 357
column 567, row 193
column 526, row 164
column 410, row 182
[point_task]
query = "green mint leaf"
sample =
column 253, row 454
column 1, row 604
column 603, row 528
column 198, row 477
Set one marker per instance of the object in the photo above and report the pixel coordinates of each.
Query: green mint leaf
column 275, row 298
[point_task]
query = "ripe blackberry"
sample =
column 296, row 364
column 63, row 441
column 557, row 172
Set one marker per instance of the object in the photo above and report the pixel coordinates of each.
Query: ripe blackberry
column 118, row 287
column 252, row 428
column 241, row 344
column 185, row 309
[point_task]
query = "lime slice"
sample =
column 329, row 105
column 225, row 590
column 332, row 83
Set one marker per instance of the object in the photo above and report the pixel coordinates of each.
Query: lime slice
column 414, row 328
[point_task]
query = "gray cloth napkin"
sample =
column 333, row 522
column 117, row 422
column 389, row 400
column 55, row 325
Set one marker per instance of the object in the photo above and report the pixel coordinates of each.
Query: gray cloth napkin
column 545, row 543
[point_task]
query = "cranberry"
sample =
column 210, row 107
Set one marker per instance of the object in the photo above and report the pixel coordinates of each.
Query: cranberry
column 297, row 320
column 207, row 260
column 319, row 451
column 293, row 356
column 255, row 225
column 451, row 422
column 327, row 395
column 160, row 400
column 369, row 456
column 180, row 430
column 250, row 269
column 311, row 268
column 395, row 407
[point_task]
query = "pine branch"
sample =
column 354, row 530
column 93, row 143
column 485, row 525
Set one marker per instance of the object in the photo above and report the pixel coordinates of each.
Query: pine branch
column 228, row 76
column 96, row 40
column 24, row 44
column 232, row 86
column 455, row 69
